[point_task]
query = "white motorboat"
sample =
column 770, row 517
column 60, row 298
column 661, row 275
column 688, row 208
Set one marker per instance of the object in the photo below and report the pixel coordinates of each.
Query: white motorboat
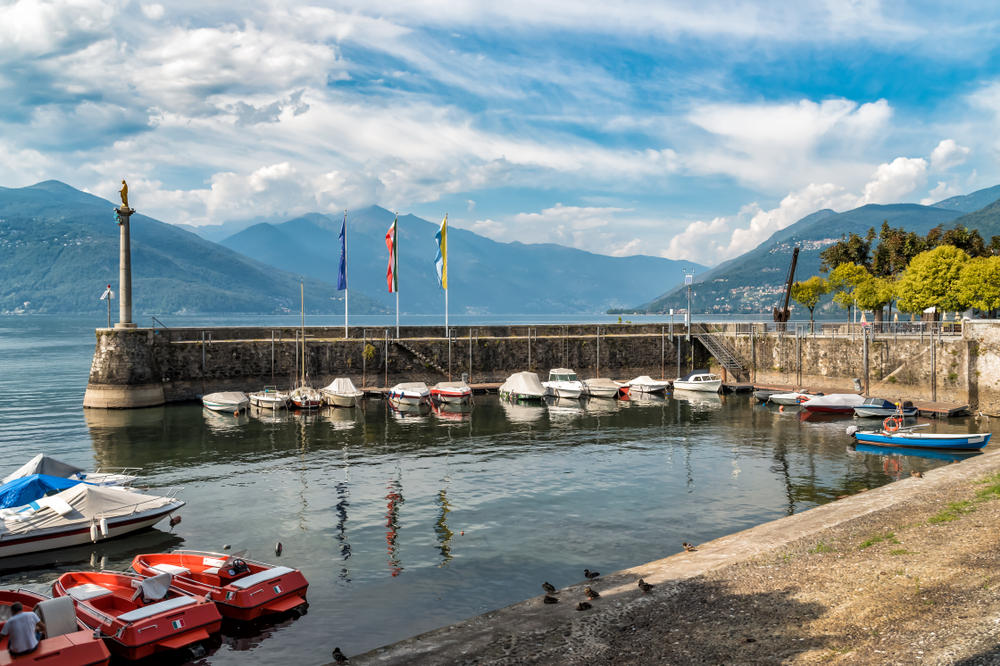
column 78, row 515
column 699, row 380
column 409, row 394
column 563, row 383
column 453, row 393
column 600, row 388
column 522, row 386
column 881, row 408
column 790, row 398
column 341, row 392
column 306, row 397
column 646, row 384
column 269, row 398
column 834, row 403
column 226, row 401
column 43, row 464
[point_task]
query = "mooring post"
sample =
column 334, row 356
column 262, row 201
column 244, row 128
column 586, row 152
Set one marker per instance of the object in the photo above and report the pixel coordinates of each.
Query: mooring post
column 663, row 354
column 598, row 351
column 470, row 353
column 933, row 367
column 272, row 355
column 866, row 344
column 364, row 356
column 203, row 352
column 387, row 358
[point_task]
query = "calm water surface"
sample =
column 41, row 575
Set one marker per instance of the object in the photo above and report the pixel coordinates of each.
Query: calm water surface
column 404, row 524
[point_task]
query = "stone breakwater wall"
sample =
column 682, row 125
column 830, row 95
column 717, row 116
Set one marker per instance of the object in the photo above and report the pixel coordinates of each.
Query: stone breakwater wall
column 957, row 367
column 146, row 367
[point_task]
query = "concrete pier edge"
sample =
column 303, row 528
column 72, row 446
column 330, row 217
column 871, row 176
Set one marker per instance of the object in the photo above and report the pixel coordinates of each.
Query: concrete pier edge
column 469, row 641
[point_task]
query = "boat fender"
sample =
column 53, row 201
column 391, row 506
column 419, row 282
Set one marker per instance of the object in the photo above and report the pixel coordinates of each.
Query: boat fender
column 104, row 527
column 891, row 424
column 93, row 532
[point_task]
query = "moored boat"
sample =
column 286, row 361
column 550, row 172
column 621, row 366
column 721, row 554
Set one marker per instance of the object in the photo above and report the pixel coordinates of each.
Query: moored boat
column 563, row 383
column 522, row 386
column 646, row 384
column 306, row 397
column 455, row 393
column 699, row 380
column 341, row 392
column 43, row 464
column 905, row 437
column 762, row 395
column 226, row 401
column 834, row 403
column 138, row 616
column 409, row 394
column 600, row 388
column 269, row 398
column 67, row 642
column 243, row 589
column 78, row 515
column 880, row 407
column 791, row 398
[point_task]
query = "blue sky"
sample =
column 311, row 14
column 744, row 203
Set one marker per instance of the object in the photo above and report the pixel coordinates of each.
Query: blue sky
column 689, row 130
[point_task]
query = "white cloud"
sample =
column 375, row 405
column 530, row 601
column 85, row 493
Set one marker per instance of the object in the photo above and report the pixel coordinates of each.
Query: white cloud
column 948, row 154
column 892, row 181
column 153, row 11
column 940, row 192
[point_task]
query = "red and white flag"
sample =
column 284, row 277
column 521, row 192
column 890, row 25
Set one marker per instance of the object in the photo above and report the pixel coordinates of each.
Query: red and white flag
column 391, row 276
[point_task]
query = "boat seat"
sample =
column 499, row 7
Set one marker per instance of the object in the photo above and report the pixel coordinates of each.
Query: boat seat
column 260, row 576
column 154, row 609
column 213, row 561
column 171, row 569
column 87, row 591
column 59, row 616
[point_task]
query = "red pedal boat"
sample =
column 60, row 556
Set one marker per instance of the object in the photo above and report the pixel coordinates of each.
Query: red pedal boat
column 67, row 641
column 243, row 589
column 138, row 616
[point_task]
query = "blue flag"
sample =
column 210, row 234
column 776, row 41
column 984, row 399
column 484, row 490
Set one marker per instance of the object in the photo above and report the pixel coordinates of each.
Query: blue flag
column 342, row 277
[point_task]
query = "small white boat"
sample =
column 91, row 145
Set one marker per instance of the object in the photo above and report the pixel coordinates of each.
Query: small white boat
column 699, row 380
column 306, row 397
column 646, row 384
column 269, row 398
column 790, row 398
column 226, row 401
column 79, row 515
column 563, row 383
column 600, row 388
column 43, row 464
column 409, row 394
column 880, row 407
column 834, row 403
column 454, row 393
column 522, row 386
column 341, row 392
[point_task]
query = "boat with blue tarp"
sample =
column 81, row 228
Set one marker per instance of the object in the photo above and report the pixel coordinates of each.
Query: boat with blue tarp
column 28, row 489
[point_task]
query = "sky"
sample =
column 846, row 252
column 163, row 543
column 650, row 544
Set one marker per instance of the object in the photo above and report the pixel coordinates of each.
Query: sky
column 686, row 130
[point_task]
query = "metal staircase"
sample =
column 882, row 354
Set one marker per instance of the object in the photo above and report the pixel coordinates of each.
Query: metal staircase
column 430, row 363
column 722, row 353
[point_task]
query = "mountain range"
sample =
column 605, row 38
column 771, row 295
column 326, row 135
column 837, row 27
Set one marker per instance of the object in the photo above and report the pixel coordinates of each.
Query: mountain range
column 59, row 248
column 755, row 281
column 484, row 276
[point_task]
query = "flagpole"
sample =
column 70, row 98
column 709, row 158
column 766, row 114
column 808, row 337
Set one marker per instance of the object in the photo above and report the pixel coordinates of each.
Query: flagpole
column 345, row 273
column 395, row 265
column 446, row 276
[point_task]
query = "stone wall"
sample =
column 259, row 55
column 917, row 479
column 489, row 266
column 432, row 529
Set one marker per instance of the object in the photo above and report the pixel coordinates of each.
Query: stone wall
column 144, row 367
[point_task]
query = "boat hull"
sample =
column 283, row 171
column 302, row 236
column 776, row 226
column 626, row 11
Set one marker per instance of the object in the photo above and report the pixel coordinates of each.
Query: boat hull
column 602, row 391
column 406, row 400
column 226, row 406
column 451, row 397
column 79, row 534
column 648, row 388
column 882, row 412
column 712, row 386
column 77, row 648
column 955, row 442
column 269, row 402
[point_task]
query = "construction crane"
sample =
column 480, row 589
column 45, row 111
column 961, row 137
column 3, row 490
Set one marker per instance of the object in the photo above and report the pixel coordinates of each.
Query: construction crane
column 781, row 315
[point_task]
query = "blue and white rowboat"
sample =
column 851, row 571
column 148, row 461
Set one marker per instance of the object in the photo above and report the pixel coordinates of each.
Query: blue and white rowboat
column 952, row 441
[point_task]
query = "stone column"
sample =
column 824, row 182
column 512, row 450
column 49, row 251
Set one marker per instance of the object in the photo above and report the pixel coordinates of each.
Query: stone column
column 122, row 215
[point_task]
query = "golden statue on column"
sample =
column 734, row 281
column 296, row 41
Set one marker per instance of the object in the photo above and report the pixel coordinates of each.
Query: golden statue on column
column 124, row 193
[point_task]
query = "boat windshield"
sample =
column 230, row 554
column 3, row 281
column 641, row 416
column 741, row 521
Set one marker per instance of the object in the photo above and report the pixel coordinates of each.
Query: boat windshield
column 563, row 377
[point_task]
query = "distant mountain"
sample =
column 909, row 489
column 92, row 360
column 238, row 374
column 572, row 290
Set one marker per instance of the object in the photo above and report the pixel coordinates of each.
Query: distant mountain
column 754, row 282
column 59, row 248
column 485, row 276
column 986, row 220
column 217, row 232
column 968, row 203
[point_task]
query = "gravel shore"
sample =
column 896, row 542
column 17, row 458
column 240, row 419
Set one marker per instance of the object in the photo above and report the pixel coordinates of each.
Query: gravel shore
column 908, row 573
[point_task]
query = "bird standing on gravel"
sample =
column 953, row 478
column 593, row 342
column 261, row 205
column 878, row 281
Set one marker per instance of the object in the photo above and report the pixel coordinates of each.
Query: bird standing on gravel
column 550, row 600
column 339, row 656
column 549, row 587
column 591, row 593
column 583, row 605
column 591, row 575
column 689, row 547
column 644, row 586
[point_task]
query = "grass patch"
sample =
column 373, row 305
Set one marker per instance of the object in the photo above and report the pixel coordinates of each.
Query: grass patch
column 878, row 538
column 822, row 548
column 954, row 511
column 990, row 489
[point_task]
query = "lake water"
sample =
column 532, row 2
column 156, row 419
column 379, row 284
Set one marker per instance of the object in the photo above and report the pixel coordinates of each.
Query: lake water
column 404, row 524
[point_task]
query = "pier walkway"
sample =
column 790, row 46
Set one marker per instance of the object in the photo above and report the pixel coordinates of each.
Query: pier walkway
column 905, row 573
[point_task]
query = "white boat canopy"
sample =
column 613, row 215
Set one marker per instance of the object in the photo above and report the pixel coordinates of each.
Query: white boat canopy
column 342, row 386
column 523, row 383
column 43, row 464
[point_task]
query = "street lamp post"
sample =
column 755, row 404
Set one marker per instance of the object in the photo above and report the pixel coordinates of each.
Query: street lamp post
column 688, row 281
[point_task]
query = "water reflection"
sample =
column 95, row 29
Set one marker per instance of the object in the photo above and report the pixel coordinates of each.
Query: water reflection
column 222, row 422
column 444, row 534
column 522, row 412
column 699, row 399
column 395, row 500
column 344, row 545
column 341, row 418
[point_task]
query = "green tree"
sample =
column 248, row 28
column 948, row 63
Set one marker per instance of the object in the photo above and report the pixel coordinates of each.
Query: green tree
column 874, row 293
column 895, row 249
column 850, row 250
column 842, row 282
column 978, row 285
column 961, row 237
column 930, row 280
column 809, row 292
